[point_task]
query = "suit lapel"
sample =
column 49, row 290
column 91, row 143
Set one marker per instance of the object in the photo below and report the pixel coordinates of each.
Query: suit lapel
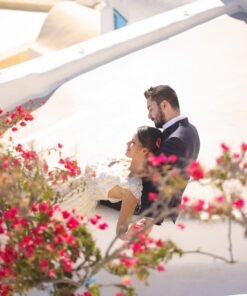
column 171, row 129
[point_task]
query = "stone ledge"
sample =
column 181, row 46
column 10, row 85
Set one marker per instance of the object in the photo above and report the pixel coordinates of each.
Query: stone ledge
column 32, row 5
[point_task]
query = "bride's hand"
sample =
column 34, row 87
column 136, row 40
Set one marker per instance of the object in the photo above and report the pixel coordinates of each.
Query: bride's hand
column 138, row 227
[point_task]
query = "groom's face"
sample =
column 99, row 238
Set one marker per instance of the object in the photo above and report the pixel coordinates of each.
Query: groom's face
column 155, row 113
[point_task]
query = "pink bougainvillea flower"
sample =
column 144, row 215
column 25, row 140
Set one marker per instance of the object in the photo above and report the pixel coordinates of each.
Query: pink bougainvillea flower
column 59, row 145
column 244, row 147
column 239, row 203
column 72, row 223
column 35, row 207
column 28, row 117
column 86, row 293
column 119, row 294
column 23, row 123
column 5, row 163
column 103, row 226
column 52, row 272
column 181, row 226
column 152, row 196
column 157, row 160
column 160, row 268
column 11, row 213
column 2, row 230
column 14, row 129
column 185, row 199
column 65, row 214
column 159, row 243
column 44, row 264
column 129, row 262
column 16, row 162
column 93, row 220
column 224, row 147
column 18, row 148
column 199, row 205
column 43, row 206
column 220, row 198
column 136, row 247
column 172, row 158
column 236, row 156
column 195, row 170
column 66, row 263
column 19, row 109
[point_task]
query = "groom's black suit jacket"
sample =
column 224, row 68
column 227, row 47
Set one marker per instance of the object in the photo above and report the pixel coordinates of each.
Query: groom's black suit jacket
column 180, row 139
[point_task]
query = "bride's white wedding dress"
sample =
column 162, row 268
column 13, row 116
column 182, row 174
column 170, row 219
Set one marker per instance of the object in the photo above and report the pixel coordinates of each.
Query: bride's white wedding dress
column 95, row 184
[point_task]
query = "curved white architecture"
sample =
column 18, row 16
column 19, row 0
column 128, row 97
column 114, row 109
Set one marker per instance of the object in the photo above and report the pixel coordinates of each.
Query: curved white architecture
column 201, row 53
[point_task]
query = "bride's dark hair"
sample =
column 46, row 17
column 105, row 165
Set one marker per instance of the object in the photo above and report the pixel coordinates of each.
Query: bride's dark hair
column 150, row 137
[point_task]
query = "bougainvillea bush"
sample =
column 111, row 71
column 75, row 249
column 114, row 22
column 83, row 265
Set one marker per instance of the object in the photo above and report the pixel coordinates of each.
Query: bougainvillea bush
column 45, row 247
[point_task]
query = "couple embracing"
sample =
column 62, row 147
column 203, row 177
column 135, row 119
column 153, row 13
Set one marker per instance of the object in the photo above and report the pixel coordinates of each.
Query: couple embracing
column 123, row 186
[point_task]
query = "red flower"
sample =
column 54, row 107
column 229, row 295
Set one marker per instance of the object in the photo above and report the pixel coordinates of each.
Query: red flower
column 185, row 199
column 18, row 148
column 136, row 247
column 35, row 207
column 160, row 268
column 103, row 226
column 220, row 198
column 44, row 264
column 14, row 129
column 244, row 147
column 93, row 220
column 157, row 160
column 236, row 156
column 16, row 162
column 159, row 243
column 224, row 147
column 181, row 226
column 66, row 263
column 43, row 207
column 10, row 214
column 19, row 109
column 5, row 163
column 239, row 203
column 52, row 272
column 87, row 293
column 195, row 170
column 172, row 158
column 199, row 205
column 59, row 145
column 72, row 223
column 129, row 262
column 152, row 196
column 65, row 214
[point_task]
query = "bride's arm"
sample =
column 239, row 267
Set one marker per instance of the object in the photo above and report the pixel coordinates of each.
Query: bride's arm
column 129, row 203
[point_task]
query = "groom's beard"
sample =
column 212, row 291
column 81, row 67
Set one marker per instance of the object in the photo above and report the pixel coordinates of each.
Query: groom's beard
column 159, row 120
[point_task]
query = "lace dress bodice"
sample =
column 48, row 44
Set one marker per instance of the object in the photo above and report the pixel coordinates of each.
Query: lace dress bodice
column 99, row 179
column 103, row 176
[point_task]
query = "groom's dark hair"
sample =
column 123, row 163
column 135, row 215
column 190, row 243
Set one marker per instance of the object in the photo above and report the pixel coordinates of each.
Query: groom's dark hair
column 162, row 92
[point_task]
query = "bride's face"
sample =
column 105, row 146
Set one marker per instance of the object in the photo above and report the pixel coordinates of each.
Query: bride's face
column 134, row 147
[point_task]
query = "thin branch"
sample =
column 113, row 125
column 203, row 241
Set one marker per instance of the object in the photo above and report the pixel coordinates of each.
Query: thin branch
column 210, row 255
column 229, row 236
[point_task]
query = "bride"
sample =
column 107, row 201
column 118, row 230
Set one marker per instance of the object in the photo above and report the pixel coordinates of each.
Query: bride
column 117, row 180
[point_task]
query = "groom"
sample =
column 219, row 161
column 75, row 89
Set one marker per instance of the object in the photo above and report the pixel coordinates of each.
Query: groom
column 179, row 138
